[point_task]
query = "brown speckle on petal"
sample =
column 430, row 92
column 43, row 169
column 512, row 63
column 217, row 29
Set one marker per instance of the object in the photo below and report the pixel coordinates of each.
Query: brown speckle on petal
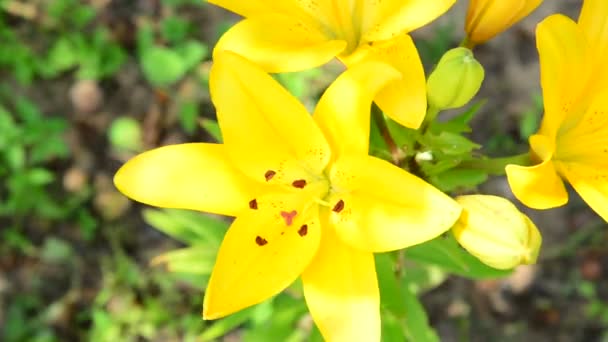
column 303, row 230
column 300, row 183
column 269, row 174
column 339, row 206
column 260, row 241
column 253, row 204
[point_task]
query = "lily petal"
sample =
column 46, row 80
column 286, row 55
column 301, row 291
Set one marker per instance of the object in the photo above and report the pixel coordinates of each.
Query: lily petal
column 187, row 176
column 264, row 127
column 280, row 43
column 343, row 111
column 385, row 19
column 260, row 256
column 385, row 208
column 564, row 69
column 538, row 186
column 591, row 183
column 341, row 291
column 404, row 100
column 586, row 142
column 594, row 23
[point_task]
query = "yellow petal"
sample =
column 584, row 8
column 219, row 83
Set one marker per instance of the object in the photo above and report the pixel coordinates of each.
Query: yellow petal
column 594, row 23
column 488, row 18
column 586, row 139
column 538, row 186
column 187, row 176
column 264, row 127
column 341, row 291
column 564, row 70
column 404, row 100
column 383, row 20
column 280, row 43
column 591, row 183
column 385, row 208
column 260, row 256
column 492, row 229
column 343, row 112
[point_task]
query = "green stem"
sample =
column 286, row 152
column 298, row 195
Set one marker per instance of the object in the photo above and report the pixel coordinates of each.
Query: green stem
column 496, row 166
column 394, row 150
column 431, row 115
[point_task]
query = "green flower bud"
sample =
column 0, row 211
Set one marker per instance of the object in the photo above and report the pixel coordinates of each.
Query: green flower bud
column 493, row 230
column 455, row 80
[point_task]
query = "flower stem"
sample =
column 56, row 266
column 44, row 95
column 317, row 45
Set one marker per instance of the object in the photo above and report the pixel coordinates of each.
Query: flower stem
column 378, row 117
column 496, row 166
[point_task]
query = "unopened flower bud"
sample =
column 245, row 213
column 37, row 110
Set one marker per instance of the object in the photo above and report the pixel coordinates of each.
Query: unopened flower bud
column 493, row 230
column 455, row 80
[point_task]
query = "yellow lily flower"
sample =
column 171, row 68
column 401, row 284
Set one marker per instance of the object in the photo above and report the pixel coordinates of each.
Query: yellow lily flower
column 288, row 35
column 308, row 199
column 488, row 18
column 572, row 142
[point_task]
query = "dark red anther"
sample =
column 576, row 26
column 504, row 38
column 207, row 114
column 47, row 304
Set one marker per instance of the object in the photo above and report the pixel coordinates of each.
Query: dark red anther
column 269, row 174
column 300, row 183
column 253, row 204
column 303, row 230
column 339, row 206
column 260, row 241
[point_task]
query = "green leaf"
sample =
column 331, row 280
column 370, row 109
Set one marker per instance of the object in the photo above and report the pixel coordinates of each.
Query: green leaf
column 445, row 252
column 213, row 128
column 192, row 53
column 460, row 123
column 448, row 143
column 62, row 56
column 454, row 179
column 391, row 298
column 187, row 226
column 40, row 176
column 196, row 260
column 162, row 66
column 417, row 328
column 188, row 115
column 174, row 29
column 223, row 326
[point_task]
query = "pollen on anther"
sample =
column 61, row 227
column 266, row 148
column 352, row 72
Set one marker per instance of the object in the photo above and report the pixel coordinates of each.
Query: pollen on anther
column 303, row 230
column 260, row 241
column 339, row 206
column 269, row 174
column 253, row 204
column 300, row 183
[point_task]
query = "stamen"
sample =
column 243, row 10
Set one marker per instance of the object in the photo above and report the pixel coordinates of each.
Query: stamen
column 339, row 206
column 269, row 174
column 289, row 216
column 300, row 183
column 260, row 241
column 303, row 230
column 253, row 204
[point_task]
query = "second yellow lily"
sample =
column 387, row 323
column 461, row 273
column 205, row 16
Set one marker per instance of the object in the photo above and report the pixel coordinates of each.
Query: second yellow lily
column 572, row 143
column 288, row 35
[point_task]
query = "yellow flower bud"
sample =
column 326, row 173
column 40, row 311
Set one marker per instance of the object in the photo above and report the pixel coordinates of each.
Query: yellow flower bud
column 455, row 80
column 488, row 18
column 493, row 230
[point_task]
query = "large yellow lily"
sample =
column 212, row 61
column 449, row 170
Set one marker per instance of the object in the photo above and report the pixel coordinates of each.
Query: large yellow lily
column 308, row 199
column 572, row 142
column 290, row 35
column 488, row 18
